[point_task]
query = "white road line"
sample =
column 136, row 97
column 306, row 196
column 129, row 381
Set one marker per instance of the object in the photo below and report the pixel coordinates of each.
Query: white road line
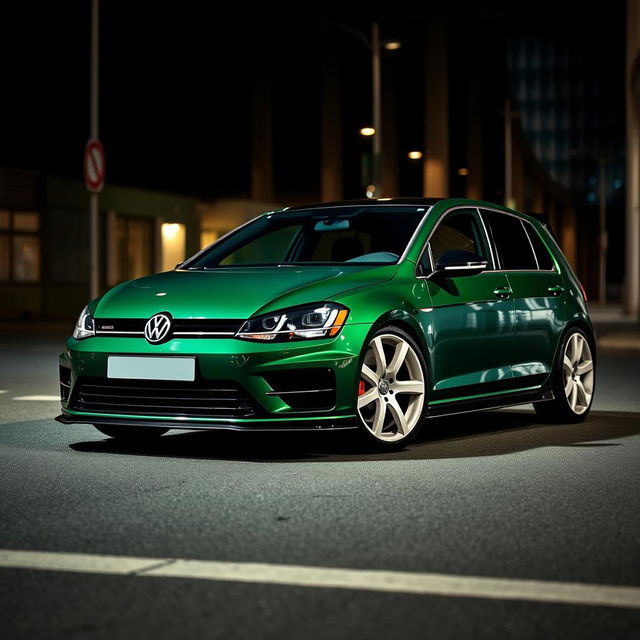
column 3, row 391
column 39, row 398
column 321, row 577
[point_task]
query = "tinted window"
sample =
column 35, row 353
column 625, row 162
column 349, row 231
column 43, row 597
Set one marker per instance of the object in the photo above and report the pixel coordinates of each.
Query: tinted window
column 545, row 261
column 459, row 231
column 512, row 242
column 344, row 235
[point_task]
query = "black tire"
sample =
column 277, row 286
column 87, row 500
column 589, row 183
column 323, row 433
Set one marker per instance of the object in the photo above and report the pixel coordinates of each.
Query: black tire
column 130, row 434
column 413, row 405
column 559, row 410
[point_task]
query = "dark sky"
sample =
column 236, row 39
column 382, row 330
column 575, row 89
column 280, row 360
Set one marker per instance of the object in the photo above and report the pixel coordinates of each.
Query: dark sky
column 176, row 82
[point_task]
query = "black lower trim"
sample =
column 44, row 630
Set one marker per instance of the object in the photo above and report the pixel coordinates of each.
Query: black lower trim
column 493, row 402
column 339, row 424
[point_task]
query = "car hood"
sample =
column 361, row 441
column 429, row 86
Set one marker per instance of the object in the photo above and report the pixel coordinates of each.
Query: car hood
column 234, row 292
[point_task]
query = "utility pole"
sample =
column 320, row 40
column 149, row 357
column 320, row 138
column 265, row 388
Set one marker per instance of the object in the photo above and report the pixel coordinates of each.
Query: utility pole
column 93, row 201
column 508, row 155
column 603, row 239
column 377, row 110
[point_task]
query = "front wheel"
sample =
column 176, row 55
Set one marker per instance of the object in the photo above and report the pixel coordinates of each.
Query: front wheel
column 573, row 381
column 391, row 389
column 130, row 434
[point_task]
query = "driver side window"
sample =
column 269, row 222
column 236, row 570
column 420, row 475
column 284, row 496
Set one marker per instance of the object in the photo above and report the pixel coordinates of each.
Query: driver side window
column 460, row 230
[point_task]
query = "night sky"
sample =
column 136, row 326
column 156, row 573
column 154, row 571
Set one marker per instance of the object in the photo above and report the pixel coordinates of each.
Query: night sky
column 176, row 84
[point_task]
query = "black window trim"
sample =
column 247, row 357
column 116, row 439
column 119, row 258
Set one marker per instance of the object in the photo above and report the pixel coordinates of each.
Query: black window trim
column 494, row 245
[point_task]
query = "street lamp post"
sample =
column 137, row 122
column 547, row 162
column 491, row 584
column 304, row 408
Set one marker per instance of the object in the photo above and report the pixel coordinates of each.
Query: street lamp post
column 376, row 173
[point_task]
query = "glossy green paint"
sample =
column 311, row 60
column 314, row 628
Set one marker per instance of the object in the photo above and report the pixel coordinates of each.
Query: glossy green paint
column 476, row 344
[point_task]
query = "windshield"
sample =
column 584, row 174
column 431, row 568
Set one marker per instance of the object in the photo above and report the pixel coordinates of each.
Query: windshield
column 339, row 235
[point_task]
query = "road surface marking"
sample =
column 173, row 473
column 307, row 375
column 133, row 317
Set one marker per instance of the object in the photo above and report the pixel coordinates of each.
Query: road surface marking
column 3, row 391
column 39, row 398
column 332, row 578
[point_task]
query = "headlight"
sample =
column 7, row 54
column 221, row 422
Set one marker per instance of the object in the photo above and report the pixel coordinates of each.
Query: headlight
column 85, row 326
column 323, row 320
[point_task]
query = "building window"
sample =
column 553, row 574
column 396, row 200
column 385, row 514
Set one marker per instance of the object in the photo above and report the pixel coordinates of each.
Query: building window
column 134, row 247
column 19, row 246
column 174, row 237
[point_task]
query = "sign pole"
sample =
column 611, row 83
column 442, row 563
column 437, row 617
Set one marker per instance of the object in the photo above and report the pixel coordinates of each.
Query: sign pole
column 93, row 202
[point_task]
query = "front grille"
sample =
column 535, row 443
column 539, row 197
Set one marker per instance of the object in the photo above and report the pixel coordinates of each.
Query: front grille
column 304, row 389
column 203, row 399
column 181, row 328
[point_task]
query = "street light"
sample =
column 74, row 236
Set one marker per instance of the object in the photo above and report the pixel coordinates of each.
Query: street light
column 367, row 131
column 375, row 45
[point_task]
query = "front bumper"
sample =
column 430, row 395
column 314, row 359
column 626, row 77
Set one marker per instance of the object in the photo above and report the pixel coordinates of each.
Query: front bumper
column 253, row 367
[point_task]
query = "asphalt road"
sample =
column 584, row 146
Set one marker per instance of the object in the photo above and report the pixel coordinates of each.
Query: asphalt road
column 493, row 495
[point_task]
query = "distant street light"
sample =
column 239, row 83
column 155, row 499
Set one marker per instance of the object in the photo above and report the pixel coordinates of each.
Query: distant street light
column 392, row 45
column 414, row 155
column 463, row 171
column 367, row 131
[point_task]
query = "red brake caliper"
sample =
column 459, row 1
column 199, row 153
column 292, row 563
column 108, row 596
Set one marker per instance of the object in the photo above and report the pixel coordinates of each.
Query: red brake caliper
column 361, row 388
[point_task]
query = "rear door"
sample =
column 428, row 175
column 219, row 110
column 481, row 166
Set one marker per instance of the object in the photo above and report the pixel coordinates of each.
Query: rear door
column 471, row 321
column 538, row 294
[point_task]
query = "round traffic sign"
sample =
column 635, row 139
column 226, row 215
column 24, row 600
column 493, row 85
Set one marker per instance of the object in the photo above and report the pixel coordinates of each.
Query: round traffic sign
column 94, row 165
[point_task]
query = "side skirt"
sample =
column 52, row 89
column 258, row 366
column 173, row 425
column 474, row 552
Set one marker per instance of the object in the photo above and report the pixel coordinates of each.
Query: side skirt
column 494, row 402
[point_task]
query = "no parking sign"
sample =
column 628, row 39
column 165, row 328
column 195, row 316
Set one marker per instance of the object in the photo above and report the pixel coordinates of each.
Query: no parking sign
column 94, row 165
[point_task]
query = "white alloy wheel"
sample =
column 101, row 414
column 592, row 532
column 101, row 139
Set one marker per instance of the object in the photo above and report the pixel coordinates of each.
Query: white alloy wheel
column 392, row 388
column 577, row 367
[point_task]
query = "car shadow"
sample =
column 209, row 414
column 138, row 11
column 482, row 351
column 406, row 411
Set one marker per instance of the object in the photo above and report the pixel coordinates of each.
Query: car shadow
column 491, row 433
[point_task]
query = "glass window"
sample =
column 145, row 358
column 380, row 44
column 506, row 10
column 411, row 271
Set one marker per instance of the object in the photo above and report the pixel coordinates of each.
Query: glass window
column 135, row 247
column 26, row 258
column 459, row 231
column 359, row 234
column 511, row 240
column 545, row 261
column 26, row 222
column 5, row 271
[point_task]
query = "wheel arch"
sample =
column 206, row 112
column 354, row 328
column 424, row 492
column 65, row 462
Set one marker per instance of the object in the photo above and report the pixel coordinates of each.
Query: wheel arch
column 405, row 321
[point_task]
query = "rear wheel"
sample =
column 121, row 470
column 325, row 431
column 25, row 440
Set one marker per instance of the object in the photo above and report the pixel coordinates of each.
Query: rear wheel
column 130, row 434
column 574, row 381
column 391, row 390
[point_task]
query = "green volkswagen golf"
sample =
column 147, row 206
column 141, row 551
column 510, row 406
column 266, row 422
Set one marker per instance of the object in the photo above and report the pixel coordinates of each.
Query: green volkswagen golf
column 372, row 315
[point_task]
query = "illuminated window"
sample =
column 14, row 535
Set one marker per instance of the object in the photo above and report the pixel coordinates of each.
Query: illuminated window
column 174, row 237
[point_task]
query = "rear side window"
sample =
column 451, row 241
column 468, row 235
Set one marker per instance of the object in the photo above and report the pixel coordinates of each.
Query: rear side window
column 512, row 242
column 545, row 261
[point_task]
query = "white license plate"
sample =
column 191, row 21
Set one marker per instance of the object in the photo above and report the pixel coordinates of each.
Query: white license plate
column 151, row 368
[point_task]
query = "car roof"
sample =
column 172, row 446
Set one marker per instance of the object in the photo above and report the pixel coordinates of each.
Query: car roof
column 368, row 202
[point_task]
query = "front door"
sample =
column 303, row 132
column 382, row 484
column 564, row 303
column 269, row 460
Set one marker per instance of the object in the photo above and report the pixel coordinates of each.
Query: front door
column 472, row 316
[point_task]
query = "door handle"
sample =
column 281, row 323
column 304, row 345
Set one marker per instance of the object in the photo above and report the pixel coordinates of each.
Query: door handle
column 556, row 290
column 502, row 292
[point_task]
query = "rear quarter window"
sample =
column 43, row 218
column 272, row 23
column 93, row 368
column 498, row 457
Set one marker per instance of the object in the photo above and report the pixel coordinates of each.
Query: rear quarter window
column 545, row 261
column 511, row 241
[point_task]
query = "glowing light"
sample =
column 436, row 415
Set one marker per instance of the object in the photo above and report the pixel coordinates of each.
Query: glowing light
column 463, row 171
column 392, row 45
column 367, row 131
column 170, row 230
column 415, row 155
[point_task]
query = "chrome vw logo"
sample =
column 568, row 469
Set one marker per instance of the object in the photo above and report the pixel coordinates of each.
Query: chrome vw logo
column 157, row 328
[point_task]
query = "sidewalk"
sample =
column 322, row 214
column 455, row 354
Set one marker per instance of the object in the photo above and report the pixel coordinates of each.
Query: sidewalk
column 615, row 331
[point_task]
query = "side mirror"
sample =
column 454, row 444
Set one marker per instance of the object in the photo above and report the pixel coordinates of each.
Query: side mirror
column 179, row 265
column 456, row 264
